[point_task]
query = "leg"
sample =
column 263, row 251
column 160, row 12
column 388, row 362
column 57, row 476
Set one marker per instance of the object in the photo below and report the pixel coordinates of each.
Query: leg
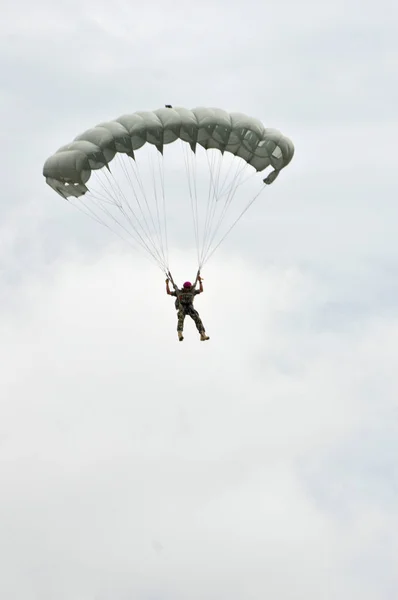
column 180, row 323
column 198, row 322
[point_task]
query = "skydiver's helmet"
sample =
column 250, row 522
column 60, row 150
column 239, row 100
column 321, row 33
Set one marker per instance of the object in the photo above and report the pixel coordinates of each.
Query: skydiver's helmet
column 187, row 285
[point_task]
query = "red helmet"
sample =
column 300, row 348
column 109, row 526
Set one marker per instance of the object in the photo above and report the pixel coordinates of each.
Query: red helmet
column 187, row 284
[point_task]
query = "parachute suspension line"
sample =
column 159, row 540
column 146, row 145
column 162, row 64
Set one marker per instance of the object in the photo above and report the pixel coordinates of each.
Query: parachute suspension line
column 227, row 176
column 240, row 168
column 149, row 227
column 127, row 174
column 208, row 205
column 218, row 194
column 195, row 188
column 156, row 236
column 234, row 223
column 218, row 186
column 115, row 197
column 214, row 181
column 229, row 196
column 214, row 174
column 228, row 190
column 162, row 184
column 140, row 239
column 92, row 215
column 115, row 188
column 153, row 237
column 221, row 217
column 89, row 212
column 157, row 176
column 121, row 203
column 112, row 194
column 156, row 225
column 190, row 167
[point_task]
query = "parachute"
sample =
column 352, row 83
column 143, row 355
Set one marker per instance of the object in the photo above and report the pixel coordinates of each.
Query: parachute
column 128, row 174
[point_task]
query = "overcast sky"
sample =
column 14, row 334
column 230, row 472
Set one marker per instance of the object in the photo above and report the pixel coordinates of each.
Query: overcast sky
column 260, row 464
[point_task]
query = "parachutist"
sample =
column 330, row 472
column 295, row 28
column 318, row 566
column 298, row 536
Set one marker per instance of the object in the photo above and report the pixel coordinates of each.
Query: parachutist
column 184, row 305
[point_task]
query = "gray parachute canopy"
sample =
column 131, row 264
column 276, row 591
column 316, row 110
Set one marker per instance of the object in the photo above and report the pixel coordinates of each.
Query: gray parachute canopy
column 139, row 190
column 69, row 169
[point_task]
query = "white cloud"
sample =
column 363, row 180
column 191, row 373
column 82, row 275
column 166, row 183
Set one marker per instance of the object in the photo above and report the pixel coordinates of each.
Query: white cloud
column 260, row 463
column 114, row 435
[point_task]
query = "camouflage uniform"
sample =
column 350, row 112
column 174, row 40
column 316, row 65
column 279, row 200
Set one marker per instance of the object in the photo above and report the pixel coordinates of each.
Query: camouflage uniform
column 184, row 306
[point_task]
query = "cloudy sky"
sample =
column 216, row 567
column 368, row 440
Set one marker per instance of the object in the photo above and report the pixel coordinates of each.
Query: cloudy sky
column 263, row 463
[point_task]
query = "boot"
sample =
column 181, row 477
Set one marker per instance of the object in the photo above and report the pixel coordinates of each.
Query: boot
column 204, row 337
column 180, row 336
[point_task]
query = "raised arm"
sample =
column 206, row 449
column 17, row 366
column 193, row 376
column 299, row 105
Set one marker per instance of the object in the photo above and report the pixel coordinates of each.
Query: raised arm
column 200, row 284
column 168, row 287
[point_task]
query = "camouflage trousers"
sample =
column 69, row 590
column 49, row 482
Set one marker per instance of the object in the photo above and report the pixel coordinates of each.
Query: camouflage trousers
column 189, row 310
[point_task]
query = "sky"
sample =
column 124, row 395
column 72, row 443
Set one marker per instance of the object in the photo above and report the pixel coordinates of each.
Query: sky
column 264, row 462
